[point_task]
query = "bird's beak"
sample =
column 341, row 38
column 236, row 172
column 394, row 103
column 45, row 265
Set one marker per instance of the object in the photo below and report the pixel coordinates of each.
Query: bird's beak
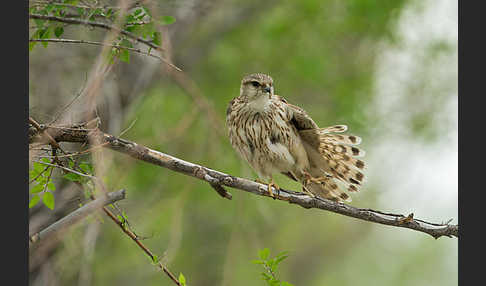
column 268, row 90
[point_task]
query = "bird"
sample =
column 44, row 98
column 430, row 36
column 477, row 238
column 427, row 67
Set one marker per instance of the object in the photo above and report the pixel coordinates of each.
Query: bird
column 276, row 137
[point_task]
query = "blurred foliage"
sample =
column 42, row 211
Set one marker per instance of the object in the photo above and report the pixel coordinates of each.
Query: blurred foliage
column 322, row 56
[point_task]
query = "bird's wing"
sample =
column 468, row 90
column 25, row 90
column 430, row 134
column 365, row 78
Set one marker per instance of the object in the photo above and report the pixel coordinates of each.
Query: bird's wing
column 329, row 154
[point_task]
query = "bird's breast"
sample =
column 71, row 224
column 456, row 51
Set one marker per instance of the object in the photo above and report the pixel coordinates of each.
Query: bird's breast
column 261, row 136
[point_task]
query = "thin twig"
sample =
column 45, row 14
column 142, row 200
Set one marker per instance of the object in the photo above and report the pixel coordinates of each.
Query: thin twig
column 75, row 153
column 96, row 24
column 42, row 172
column 143, row 153
column 134, row 237
column 70, row 41
column 47, row 135
column 128, row 128
column 39, row 3
column 56, row 117
column 104, row 26
column 66, row 169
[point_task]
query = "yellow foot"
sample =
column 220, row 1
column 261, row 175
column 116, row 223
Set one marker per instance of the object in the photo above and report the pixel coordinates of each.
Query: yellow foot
column 308, row 178
column 269, row 187
column 405, row 220
column 309, row 193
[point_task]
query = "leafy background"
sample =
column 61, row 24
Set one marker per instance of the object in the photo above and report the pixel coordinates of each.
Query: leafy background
column 387, row 69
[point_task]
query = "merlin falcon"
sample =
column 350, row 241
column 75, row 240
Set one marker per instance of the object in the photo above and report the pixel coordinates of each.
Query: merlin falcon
column 274, row 136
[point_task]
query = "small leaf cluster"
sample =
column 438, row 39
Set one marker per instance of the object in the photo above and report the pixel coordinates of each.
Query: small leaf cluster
column 45, row 29
column 138, row 21
column 182, row 279
column 271, row 267
column 40, row 175
column 85, row 167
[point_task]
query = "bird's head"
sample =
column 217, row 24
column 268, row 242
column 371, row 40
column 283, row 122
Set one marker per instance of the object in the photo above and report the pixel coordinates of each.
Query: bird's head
column 257, row 86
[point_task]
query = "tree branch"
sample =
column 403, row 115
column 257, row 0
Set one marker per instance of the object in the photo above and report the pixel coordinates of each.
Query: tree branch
column 78, row 133
column 77, row 215
column 103, row 26
column 70, row 41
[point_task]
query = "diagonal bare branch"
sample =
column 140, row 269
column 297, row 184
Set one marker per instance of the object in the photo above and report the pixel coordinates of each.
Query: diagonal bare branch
column 79, row 134
column 76, row 216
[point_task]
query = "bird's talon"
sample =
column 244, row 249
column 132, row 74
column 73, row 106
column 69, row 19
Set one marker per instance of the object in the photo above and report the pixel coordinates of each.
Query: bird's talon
column 406, row 219
column 270, row 185
column 306, row 191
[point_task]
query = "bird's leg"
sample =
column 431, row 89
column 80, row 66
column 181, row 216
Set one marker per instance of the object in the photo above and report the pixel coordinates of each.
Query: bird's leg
column 308, row 178
column 305, row 190
column 269, row 186
column 318, row 180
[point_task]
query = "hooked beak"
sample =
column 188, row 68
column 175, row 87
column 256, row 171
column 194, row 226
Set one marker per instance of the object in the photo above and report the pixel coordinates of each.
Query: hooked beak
column 268, row 90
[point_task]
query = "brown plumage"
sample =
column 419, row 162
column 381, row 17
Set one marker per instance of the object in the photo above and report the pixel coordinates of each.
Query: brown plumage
column 274, row 136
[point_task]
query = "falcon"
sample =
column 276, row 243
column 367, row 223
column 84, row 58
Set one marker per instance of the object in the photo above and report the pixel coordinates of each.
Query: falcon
column 274, row 136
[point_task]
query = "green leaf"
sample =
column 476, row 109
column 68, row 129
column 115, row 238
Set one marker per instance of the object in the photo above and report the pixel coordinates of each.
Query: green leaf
column 258, row 262
column 182, row 279
column 280, row 257
column 286, row 284
column 31, row 46
column 138, row 11
column 72, row 177
column 109, row 13
column 126, row 43
column 42, row 180
column 51, row 186
column 37, row 188
column 167, row 20
column 81, row 12
column 131, row 28
column 34, row 201
column 45, row 160
column 282, row 253
column 38, row 167
column 32, row 174
column 86, row 167
column 49, row 7
column 59, row 31
column 130, row 18
column 266, row 276
column 157, row 38
column 48, row 199
column 147, row 29
column 44, row 34
column 125, row 56
column 39, row 23
column 272, row 265
column 263, row 254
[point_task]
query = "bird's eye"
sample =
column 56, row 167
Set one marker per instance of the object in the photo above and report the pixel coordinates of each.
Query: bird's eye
column 255, row 83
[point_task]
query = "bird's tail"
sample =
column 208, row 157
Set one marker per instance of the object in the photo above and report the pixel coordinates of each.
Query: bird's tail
column 334, row 163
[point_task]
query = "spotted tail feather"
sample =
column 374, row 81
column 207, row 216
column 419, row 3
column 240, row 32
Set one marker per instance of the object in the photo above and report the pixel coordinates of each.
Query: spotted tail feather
column 326, row 187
